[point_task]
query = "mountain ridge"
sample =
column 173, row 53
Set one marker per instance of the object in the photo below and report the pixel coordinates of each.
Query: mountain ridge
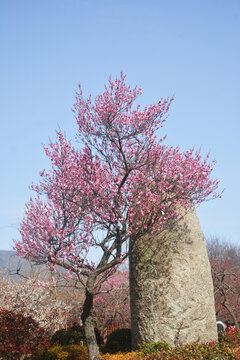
column 10, row 262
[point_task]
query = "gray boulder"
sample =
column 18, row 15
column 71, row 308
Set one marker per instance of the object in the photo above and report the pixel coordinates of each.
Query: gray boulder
column 171, row 288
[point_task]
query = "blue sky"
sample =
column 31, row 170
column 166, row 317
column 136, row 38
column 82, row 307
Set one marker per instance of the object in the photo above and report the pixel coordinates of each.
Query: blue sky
column 187, row 48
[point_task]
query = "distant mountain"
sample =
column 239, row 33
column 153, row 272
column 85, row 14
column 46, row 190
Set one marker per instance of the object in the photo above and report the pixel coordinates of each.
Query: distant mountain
column 9, row 261
column 6, row 257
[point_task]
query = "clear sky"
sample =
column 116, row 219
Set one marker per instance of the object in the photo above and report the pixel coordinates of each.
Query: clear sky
column 187, row 48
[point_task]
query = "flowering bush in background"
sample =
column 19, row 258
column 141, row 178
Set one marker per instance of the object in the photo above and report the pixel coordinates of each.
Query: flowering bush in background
column 51, row 304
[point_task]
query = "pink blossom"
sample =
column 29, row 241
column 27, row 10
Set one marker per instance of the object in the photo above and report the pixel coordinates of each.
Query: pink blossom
column 119, row 182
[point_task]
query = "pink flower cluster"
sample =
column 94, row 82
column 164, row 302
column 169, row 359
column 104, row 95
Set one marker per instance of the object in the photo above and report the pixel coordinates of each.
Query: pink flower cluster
column 121, row 182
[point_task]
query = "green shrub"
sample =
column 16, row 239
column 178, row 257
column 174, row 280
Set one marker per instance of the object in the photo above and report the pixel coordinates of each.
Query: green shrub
column 118, row 340
column 232, row 336
column 153, row 347
column 69, row 352
column 46, row 355
column 211, row 351
column 73, row 335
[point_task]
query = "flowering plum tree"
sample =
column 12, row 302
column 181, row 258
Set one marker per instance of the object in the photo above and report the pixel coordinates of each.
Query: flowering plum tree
column 119, row 183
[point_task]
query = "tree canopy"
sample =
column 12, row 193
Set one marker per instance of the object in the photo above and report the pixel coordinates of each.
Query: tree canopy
column 118, row 182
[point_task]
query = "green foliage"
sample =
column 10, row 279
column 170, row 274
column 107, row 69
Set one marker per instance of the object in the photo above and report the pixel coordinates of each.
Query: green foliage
column 232, row 336
column 211, row 351
column 153, row 347
column 46, row 355
column 69, row 352
column 73, row 335
column 118, row 340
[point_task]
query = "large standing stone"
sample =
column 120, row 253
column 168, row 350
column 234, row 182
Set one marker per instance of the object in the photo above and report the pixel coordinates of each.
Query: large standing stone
column 171, row 287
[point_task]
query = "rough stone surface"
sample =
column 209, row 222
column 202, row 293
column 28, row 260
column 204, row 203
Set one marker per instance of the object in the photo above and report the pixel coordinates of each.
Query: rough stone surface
column 171, row 287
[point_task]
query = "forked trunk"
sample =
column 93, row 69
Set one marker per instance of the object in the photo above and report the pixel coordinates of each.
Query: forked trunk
column 87, row 319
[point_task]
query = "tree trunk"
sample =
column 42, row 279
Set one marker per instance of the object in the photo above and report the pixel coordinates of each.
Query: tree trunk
column 87, row 319
column 171, row 288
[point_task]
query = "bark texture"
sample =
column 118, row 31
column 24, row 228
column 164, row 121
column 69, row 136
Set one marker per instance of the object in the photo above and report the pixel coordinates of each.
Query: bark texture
column 171, row 287
column 87, row 319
